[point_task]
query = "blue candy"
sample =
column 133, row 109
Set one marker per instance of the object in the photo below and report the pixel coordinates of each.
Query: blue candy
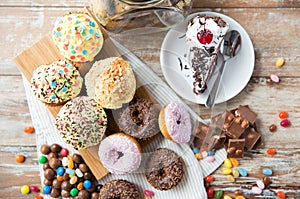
column 267, row 171
column 46, row 189
column 196, row 150
column 70, row 171
column 242, row 172
column 87, row 184
column 60, row 171
column 210, row 153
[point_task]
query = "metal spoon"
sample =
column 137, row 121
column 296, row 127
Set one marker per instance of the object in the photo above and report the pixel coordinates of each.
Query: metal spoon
column 231, row 46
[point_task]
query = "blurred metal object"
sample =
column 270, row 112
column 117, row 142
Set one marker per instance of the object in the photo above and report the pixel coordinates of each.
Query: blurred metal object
column 121, row 15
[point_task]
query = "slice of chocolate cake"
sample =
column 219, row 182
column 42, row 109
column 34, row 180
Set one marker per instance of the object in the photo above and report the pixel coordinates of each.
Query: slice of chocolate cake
column 204, row 36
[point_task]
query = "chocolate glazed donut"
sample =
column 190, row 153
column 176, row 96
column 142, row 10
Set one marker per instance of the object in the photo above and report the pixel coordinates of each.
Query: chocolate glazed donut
column 165, row 169
column 120, row 189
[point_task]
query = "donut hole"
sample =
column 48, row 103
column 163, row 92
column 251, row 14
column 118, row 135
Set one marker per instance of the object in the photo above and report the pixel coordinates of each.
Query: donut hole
column 178, row 122
column 120, row 154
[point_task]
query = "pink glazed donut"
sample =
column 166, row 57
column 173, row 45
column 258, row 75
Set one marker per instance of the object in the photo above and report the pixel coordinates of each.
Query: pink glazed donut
column 120, row 153
column 175, row 122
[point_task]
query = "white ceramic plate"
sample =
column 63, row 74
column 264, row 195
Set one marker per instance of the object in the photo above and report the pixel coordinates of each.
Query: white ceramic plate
column 237, row 72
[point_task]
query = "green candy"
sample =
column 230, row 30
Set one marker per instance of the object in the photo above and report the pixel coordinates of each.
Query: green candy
column 42, row 159
column 74, row 192
column 218, row 194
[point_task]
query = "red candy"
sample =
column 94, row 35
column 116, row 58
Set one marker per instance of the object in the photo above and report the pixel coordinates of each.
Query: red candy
column 271, row 151
column 205, row 36
column 148, row 193
column 285, row 123
column 280, row 195
column 283, row 115
column 64, row 152
column 210, row 192
column 34, row 189
column 209, row 179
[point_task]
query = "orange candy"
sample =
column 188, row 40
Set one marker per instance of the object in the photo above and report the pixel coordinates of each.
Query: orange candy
column 283, row 115
column 20, row 158
column 59, row 178
column 28, row 129
column 280, row 195
column 80, row 186
column 37, row 197
column 271, row 151
column 209, row 178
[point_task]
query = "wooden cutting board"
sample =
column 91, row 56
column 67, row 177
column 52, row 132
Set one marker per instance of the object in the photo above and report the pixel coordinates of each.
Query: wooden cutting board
column 45, row 52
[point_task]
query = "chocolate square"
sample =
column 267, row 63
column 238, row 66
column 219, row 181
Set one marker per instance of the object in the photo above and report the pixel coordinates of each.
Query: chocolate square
column 218, row 142
column 237, row 127
column 235, row 148
column 246, row 113
column 251, row 137
column 223, row 120
column 200, row 132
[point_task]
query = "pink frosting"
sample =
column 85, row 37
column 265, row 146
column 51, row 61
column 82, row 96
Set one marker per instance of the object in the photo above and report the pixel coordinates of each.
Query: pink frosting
column 119, row 154
column 178, row 122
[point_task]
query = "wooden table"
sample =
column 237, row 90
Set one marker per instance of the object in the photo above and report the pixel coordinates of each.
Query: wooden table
column 273, row 26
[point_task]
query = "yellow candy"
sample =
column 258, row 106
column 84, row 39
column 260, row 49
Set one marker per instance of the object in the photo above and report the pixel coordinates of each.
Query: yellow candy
column 71, row 175
column 227, row 197
column 73, row 180
column 235, row 173
column 234, row 162
column 240, row 197
column 199, row 156
column 70, row 162
column 226, row 171
column 25, row 189
column 230, row 178
column 227, row 163
column 279, row 62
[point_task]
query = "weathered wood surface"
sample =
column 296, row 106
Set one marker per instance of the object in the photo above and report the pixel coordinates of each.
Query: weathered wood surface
column 273, row 26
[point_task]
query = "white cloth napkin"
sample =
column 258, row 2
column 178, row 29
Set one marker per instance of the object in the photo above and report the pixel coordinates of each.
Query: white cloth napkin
column 191, row 185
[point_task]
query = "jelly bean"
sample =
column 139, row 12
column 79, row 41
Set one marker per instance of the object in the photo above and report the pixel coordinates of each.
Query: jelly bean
column 46, row 189
column 272, row 128
column 71, row 175
column 283, row 115
column 266, row 180
column 242, row 172
column 87, row 184
column 271, row 151
column 78, row 173
column 70, row 162
column 234, row 162
column 25, row 189
column 20, row 158
column 70, row 171
column 210, row 158
column 148, row 193
column 73, row 180
column 285, row 123
column 209, row 179
column 64, row 161
column 42, row 159
column 281, row 195
column 218, row 194
column 64, row 152
column 74, row 192
column 267, row 171
column 210, row 192
column 199, row 156
column 260, row 184
column 274, row 78
column 28, row 129
column 279, row 62
column 230, row 178
column 204, row 154
column 227, row 197
column 196, row 150
column 240, row 197
column 37, row 197
column 238, row 192
column 226, row 171
column 227, row 163
column 59, row 178
column 256, row 190
column 210, row 153
column 60, row 171
column 147, row 197
column 235, row 173
column 34, row 189
column 80, row 186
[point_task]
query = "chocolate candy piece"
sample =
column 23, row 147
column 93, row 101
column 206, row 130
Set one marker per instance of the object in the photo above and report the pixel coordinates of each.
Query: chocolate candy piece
column 46, row 166
column 56, row 184
column 246, row 113
column 83, row 194
column 49, row 174
column 55, row 148
column 65, row 185
column 54, row 163
column 47, row 182
column 237, row 127
column 235, row 148
column 200, row 132
column 87, row 176
column 66, row 177
column 84, row 168
column 45, row 149
column 77, row 158
column 251, row 137
column 55, row 193
column 266, row 180
column 95, row 195
column 65, row 193
column 52, row 155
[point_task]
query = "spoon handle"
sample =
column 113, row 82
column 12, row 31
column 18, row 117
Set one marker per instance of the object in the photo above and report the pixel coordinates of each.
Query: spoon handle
column 210, row 102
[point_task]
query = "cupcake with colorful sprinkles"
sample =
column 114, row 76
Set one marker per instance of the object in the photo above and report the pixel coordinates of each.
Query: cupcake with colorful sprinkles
column 78, row 37
column 81, row 122
column 56, row 83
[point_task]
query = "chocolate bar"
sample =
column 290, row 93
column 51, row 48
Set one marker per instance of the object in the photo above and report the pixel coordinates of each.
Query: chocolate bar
column 235, row 148
column 251, row 137
column 200, row 132
column 246, row 113
column 237, row 127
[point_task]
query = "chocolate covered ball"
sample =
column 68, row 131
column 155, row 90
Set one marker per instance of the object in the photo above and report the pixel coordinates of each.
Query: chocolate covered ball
column 65, row 193
column 49, row 174
column 83, row 194
column 56, row 184
column 87, row 176
column 77, row 158
column 46, row 166
column 52, row 155
column 55, row 193
column 66, row 177
column 65, row 185
column 55, row 148
column 83, row 168
column 95, row 195
column 54, row 163
column 47, row 182
column 45, row 149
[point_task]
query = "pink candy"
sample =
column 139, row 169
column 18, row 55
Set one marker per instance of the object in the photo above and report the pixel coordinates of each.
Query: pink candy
column 260, row 184
column 210, row 158
column 256, row 190
column 148, row 193
column 274, row 78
